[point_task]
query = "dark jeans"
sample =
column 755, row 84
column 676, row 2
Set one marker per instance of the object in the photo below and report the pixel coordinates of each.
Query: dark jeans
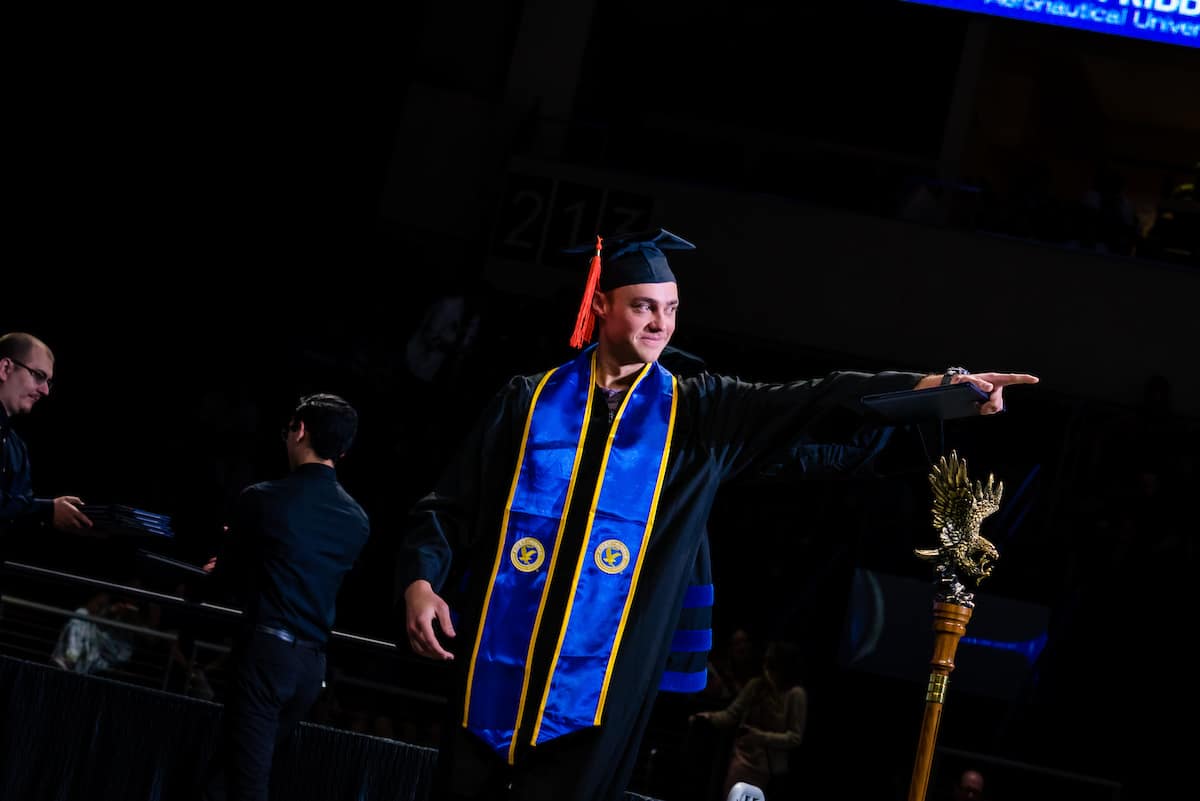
column 272, row 686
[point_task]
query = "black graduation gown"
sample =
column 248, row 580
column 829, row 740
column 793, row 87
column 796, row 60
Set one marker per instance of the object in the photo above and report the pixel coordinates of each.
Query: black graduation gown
column 723, row 427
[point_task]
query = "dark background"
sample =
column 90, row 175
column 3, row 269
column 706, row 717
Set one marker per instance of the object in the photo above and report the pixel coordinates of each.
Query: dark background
column 210, row 214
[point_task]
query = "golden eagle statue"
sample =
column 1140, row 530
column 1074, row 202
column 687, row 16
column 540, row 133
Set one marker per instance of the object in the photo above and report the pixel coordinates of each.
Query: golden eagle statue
column 958, row 509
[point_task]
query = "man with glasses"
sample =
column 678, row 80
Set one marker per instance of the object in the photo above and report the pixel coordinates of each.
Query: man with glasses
column 26, row 375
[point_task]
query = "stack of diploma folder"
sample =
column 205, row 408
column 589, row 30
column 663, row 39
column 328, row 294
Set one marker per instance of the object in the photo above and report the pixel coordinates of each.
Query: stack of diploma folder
column 115, row 519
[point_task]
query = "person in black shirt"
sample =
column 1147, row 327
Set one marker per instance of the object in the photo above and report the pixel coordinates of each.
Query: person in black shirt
column 26, row 375
column 291, row 544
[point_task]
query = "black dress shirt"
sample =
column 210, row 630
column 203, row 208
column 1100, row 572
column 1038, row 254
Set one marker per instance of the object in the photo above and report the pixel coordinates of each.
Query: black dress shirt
column 291, row 545
column 17, row 504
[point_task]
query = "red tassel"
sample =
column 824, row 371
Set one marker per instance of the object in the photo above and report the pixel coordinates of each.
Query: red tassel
column 585, row 321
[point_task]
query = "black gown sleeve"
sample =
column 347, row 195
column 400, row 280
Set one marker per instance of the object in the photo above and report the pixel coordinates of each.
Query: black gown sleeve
column 450, row 521
column 792, row 426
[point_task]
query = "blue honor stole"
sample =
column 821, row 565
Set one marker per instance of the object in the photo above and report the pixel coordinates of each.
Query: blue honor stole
column 605, row 571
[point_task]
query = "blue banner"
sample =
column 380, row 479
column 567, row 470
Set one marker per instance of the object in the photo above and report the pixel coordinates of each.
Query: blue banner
column 1170, row 21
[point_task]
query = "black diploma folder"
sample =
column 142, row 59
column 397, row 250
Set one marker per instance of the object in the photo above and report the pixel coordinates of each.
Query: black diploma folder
column 924, row 405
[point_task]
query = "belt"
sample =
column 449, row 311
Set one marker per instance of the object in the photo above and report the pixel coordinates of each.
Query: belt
column 289, row 638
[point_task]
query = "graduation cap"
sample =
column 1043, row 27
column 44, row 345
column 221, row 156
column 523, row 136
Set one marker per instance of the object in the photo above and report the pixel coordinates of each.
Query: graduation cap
column 620, row 261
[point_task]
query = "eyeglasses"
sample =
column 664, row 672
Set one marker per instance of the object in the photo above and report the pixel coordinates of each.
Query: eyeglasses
column 39, row 376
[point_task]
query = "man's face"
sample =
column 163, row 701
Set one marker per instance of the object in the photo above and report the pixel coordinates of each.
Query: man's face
column 291, row 441
column 970, row 787
column 637, row 321
column 25, row 380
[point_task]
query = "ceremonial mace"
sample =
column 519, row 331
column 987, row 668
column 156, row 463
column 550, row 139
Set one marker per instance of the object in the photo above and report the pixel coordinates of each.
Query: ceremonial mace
column 963, row 555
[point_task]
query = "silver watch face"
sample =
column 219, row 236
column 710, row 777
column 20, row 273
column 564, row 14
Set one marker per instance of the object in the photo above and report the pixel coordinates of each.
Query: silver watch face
column 953, row 371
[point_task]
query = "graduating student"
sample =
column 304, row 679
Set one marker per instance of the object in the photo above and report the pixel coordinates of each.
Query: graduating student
column 574, row 518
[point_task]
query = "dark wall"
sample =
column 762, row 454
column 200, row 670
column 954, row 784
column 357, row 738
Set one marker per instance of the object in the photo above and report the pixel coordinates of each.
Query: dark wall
column 210, row 215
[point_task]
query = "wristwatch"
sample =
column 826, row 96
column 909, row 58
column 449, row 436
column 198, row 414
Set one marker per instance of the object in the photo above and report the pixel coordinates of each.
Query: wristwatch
column 948, row 376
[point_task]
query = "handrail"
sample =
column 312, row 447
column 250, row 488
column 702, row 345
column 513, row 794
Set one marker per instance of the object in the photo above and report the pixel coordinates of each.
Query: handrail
column 99, row 620
column 172, row 600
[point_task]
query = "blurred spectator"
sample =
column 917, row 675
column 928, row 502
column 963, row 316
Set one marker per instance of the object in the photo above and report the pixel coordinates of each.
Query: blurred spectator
column 1106, row 221
column 1152, row 437
column 924, row 202
column 770, row 715
column 731, row 668
column 969, row 787
column 88, row 647
column 1033, row 212
column 444, row 335
column 1175, row 234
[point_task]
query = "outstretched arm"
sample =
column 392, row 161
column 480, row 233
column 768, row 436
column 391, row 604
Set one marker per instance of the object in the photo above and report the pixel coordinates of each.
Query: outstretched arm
column 745, row 422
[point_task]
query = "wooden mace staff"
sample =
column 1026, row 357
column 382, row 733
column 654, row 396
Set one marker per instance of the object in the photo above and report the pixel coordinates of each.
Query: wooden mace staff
column 963, row 555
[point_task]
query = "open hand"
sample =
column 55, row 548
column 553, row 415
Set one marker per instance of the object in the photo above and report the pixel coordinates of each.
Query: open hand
column 423, row 607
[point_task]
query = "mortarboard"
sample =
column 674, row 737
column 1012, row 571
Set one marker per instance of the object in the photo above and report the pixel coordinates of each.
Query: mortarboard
column 620, row 261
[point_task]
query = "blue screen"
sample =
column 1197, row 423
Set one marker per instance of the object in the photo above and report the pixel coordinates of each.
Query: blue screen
column 1170, row 21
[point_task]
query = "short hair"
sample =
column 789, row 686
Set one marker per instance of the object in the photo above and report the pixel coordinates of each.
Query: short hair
column 330, row 421
column 20, row 345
